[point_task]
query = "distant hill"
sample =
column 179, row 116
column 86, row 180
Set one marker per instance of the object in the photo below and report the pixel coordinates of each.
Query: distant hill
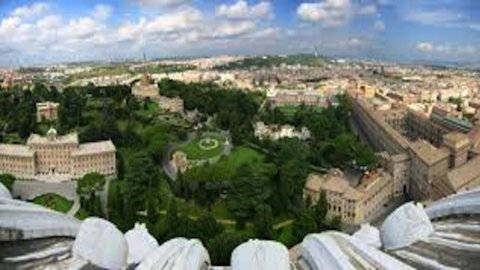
column 274, row 61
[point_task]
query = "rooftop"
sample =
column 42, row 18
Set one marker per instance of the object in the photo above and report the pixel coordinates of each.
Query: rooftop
column 16, row 150
column 334, row 183
column 71, row 138
column 428, row 153
column 368, row 180
column 94, row 148
column 47, row 104
column 462, row 175
column 456, row 140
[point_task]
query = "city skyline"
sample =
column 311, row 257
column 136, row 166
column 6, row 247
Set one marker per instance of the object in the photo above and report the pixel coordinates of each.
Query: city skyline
column 42, row 32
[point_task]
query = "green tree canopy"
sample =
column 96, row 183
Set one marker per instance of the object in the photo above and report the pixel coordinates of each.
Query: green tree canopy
column 7, row 180
column 304, row 224
column 220, row 248
column 142, row 176
column 320, row 210
column 250, row 188
column 208, row 227
column 263, row 222
column 90, row 183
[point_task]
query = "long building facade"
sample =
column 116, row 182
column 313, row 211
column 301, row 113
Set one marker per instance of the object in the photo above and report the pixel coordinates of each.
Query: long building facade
column 428, row 161
column 54, row 158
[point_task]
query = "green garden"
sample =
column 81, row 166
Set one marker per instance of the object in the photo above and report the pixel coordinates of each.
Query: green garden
column 54, row 202
column 205, row 146
column 254, row 192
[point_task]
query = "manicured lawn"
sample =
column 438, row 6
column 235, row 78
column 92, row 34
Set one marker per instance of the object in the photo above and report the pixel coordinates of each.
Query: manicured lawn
column 194, row 150
column 289, row 111
column 241, row 155
column 54, row 201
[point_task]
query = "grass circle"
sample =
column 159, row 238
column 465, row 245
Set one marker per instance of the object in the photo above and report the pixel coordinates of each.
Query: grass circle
column 208, row 143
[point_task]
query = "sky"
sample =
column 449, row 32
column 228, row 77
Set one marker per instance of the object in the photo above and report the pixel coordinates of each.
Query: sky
column 42, row 32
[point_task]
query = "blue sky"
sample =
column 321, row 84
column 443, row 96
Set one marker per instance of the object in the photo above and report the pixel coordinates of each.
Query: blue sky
column 37, row 32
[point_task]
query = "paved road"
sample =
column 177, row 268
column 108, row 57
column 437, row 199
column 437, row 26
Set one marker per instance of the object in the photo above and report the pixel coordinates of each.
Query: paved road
column 28, row 190
column 104, row 195
column 75, row 207
column 283, row 224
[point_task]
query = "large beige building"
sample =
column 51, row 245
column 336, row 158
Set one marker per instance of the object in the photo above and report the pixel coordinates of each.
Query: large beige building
column 57, row 158
column 355, row 205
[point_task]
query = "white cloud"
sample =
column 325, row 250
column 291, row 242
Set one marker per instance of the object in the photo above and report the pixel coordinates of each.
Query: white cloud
column 447, row 50
column 369, row 9
column 379, row 26
column 102, row 12
column 9, row 25
column 231, row 29
column 182, row 19
column 332, row 13
column 329, row 13
column 474, row 26
column 49, row 22
column 354, row 42
column 434, row 17
column 162, row 3
column 425, row 47
column 30, row 11
column 268, row 33
column 79, row 29
column 241, row 10
column 49, row 36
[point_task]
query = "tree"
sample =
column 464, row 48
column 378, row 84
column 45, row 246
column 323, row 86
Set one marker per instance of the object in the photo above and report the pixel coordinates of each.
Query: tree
column 264, row 222
column 98, row 210
column 130, row 137
column 108, row 124
column 116, row 206
column 152, row 209
column 8, row 181
column 278, row 116
column 220, row 248
column 250, row 188
column 205, row 196
column 91, row 133
column 120, row 165
column 92, row 205
column 172, row 212
column 320, row 209
column 207, row 227
column 141, row 177
column 292, row 161
column 336, row 223
column 71, row 108
column 23, row 115
column 304, row 224
column 90, row 183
